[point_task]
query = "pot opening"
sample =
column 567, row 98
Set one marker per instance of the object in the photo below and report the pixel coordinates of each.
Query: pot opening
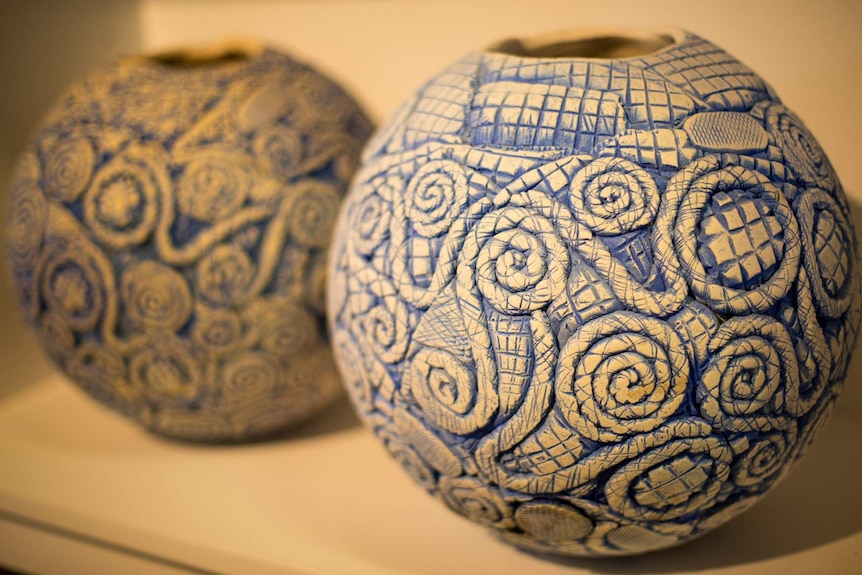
column 602, row 46
column 204, row 58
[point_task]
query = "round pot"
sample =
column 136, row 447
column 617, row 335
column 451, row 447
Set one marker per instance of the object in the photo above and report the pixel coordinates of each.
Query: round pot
column 167, row 236
column 597, row 291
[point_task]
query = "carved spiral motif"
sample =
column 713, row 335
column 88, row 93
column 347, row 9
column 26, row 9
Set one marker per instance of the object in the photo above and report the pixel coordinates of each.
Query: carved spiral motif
column 68, row 169
column 313, row 213
column 216, row 330
column 371, row 218
column 751, row 382
column 734, row 233
column 477, row 501
column 72, row 286
column 670, row 481
column 522, row 262
column 167, row 372
column 214, row 184
column 619, row 374
column 407, row 457
column 28, row 215
column 445, row 388
column 828, row 252
column 280, row 149
column 155, row 296
column 613, row 196
column 798, row 146
column 765, row 459
column 435, row 197
column 224, row 277
column 247, row 381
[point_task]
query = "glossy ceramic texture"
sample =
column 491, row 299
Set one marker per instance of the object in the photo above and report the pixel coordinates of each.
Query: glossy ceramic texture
column 599, row 305
column 167, row 236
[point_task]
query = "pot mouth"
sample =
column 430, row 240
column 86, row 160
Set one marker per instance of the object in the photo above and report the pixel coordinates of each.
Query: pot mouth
column 591, row 44
column 201, row 57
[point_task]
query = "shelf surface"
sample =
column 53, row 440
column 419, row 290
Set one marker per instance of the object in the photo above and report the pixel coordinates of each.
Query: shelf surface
column 327, row 499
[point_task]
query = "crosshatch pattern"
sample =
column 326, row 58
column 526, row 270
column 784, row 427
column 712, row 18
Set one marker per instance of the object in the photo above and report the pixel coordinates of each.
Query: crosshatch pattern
column 598, row 306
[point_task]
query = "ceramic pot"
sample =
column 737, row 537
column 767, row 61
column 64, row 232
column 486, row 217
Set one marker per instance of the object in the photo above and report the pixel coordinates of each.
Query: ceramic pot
column 167, row 237
column 598, row 291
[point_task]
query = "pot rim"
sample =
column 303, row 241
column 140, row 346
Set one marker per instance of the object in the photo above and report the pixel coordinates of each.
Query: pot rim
column 669, row 36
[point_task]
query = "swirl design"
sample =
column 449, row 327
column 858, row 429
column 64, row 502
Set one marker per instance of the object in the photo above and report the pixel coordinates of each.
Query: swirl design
column 313, row 213
column 613, row 196
column 121, row 205
column 473, row 499
column 225, row 276
column 766, row 457
column 68, row 169
column 371, row 218
column 828, row 252
column 167, row 373
column 446, row 390
column 28, row 215
column 155, row 296
column 680, row 477
column 72, row 286
column 407, row 457
column 732, row 267
column 213, row 185
column 435, row 196
column 522, row 263
column 797, row 145
column 751, row 382
column 280, row 149
column 247, row 383
column 619, row 374
column 103, row 374
column 216, row 330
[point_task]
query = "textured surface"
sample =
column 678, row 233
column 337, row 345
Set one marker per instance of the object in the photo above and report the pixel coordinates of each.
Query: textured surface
column 600, row 307
column 167, row 233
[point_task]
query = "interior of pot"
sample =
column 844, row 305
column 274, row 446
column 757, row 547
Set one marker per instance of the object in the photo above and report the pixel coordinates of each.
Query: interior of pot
column 597, row 44
column 206, row 57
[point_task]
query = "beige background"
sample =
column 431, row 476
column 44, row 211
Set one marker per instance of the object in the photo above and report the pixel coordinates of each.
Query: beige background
column 326, row 498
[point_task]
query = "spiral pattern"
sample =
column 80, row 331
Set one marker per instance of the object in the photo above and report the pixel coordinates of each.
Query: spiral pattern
column 734, row 268
column 798, row 147
column 435, row 196
column 475, row 500
column 102, row 373
column 680, row 477
column 214, row 184
column 372, row 217
column 155, row 296
column 72, row 286
column 247, row 382
column 121, row 205
column 445, row 388
column 382, row 321
column 751, row 382
column 522, row 262
column 56, row 336
column 828, row 251
column 167, row 373
column 28, row 216
column 313, row 213
column 287, row 330
column 619, row 374
column 216, row 330
column 405, row 455
column 224, row 277
column 613, row 196
column 761, row 464
column 280, row 149
column 68, row 168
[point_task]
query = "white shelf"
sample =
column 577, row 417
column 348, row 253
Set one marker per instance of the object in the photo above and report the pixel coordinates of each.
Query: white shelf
column 82, row 490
